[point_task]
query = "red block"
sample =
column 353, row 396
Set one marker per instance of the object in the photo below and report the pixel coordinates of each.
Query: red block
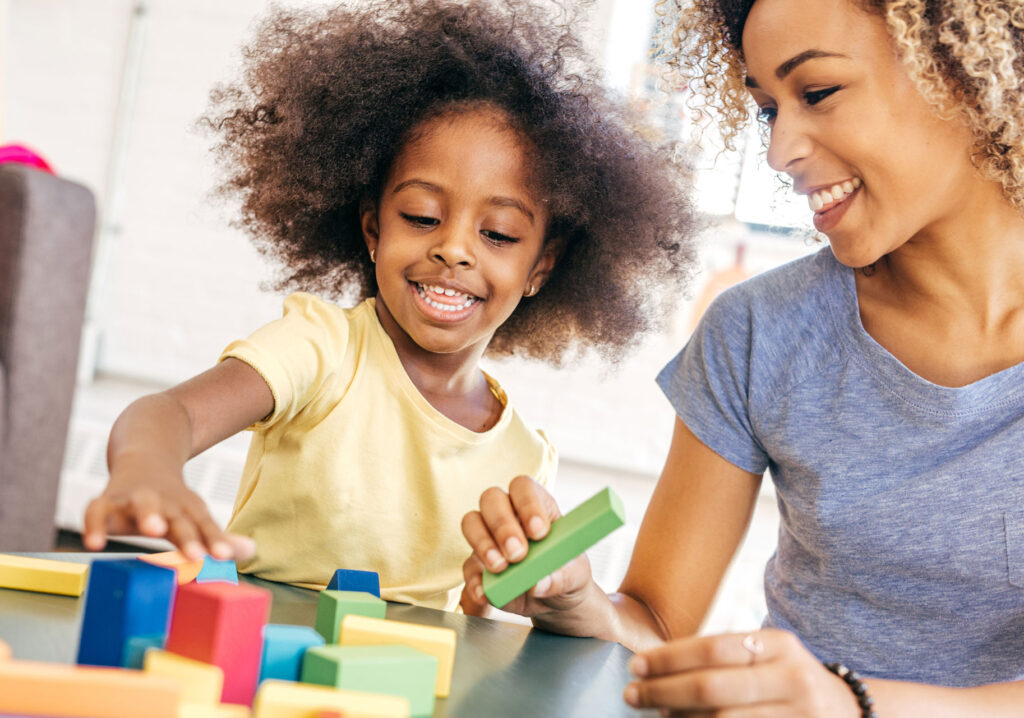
column 222, row 624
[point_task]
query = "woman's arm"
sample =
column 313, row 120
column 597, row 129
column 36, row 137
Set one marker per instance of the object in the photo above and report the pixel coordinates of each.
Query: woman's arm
column 696, row 519
column 149, row 445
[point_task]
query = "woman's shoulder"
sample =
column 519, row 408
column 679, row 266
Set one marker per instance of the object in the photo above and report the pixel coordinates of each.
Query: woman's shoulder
column 785, row 323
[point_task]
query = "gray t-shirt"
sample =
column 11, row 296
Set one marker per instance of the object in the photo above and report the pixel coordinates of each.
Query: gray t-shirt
column 901, row 546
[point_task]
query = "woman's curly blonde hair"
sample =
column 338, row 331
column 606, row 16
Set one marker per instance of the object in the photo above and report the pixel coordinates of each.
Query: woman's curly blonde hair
column 966, row 57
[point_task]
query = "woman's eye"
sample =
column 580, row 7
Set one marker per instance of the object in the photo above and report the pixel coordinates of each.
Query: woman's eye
column 766, row 114
column 498, row 237
column 813, row 97
column 420, row 221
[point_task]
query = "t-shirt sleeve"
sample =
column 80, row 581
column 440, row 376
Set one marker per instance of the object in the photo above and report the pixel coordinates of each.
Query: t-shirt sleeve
column 549, row 463
column 708, row 383
column 295, row 354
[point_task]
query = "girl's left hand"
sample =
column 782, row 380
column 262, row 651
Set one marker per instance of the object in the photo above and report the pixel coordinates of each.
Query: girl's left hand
column 765, row 674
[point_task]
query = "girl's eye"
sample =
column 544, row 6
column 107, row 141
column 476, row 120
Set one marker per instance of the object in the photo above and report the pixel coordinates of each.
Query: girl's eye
column 766, row 114
column 498, row 237
column 813, row 97
column 420, row 221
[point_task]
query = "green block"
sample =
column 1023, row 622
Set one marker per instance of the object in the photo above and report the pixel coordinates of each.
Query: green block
column 569, row 536
column 332, row 606
column 395, row 670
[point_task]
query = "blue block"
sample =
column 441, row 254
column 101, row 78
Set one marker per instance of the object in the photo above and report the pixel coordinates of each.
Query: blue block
column 123, row 599
column 346, row 580
column 135, row 650
column 214, row 570
column 284, row 647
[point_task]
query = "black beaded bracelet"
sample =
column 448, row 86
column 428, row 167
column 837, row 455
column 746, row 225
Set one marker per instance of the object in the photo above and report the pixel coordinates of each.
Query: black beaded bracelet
column 860, row 691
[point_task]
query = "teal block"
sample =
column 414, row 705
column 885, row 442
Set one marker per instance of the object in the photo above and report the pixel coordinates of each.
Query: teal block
column 395, row 670
column 283, row 650
column 569, row 536
column 214, row 570
column 332, row 606
column 135, row 649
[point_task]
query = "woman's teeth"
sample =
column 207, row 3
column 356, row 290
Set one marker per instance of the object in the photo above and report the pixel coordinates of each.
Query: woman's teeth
column 835, row 193
column 465, row 300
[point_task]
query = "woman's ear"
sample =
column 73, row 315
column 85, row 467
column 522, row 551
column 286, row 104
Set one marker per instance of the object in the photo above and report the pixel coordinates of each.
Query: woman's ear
column 370, row 225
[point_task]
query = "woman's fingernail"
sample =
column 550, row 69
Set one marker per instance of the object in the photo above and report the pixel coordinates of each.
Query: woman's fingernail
column 631, row 694
column 495, row 561
column 638, row 666
column 536, row 526
column 514, row 548
column 478, row 593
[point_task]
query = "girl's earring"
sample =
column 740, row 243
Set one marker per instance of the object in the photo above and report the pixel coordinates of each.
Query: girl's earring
column 373, row 256
column 531, row 291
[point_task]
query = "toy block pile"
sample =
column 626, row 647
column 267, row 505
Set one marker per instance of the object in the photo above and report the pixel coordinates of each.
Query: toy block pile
column 167, row 637
column 171, row 638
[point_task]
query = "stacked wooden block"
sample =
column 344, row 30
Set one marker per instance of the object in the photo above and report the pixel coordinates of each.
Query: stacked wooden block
column 205, row 649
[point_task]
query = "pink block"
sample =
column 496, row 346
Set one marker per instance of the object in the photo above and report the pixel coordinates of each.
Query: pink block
column 222, row 624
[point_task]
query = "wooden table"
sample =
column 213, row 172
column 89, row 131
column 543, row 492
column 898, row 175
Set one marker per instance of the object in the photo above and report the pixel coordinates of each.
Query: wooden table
column 501, row 669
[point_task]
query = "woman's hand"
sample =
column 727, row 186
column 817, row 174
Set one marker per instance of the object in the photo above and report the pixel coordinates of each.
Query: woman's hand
column 768, row 674
column 148, row 497
column 498, row 535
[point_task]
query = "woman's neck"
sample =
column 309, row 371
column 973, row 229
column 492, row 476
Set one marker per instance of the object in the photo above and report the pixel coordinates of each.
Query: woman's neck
column 949, row 303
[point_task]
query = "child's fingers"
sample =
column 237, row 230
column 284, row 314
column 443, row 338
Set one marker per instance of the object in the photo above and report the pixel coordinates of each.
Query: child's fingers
column 94, row 531
column 480, row 539
column 503, row 523
column 472, row 573
column 147, row 509
column 212, row 534
column 243, row 547
column 534, row 506
column 184, row 534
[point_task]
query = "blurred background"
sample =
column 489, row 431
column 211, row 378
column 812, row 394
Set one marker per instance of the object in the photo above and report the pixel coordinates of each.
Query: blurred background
column 108, row 91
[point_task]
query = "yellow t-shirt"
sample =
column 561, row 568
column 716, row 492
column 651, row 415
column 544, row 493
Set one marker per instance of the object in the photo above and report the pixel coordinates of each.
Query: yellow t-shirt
column 355, row 469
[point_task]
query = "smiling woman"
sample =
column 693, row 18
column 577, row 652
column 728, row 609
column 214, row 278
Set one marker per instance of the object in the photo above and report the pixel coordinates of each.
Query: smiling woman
column 880, row 380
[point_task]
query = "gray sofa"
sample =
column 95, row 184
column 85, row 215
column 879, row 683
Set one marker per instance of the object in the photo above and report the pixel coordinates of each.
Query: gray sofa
column 47, row 226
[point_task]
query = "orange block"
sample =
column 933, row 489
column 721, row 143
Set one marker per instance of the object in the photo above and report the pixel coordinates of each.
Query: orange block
column 186, row 569
column 5, row 651
column 59, row 690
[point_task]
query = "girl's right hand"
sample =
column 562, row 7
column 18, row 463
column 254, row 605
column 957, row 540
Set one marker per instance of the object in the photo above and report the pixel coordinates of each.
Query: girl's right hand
column 498, row 535
column 158, row 506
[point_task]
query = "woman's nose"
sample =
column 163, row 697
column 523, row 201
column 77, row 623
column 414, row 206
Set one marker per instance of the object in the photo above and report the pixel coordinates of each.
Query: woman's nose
column 788, row 143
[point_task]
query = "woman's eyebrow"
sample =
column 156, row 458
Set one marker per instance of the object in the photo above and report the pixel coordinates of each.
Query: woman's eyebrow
column 792, row 63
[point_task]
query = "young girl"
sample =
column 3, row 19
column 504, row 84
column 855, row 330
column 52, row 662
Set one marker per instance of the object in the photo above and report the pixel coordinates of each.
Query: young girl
column 437, row 160
column 880, row 380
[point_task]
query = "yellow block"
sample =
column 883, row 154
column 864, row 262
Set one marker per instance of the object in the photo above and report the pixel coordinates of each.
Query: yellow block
column 200, row 682
column 440, row 642
column 59, row 690
column 42, row 575
column 221, row 710
column 284, row 699
column 5, row 651
column 186, row 569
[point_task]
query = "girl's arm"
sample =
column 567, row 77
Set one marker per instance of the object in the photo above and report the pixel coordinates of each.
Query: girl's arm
column 694, row 523
column 149, row 445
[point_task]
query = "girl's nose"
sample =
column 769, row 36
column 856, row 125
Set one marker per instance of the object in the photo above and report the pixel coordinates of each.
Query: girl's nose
column 455, row 246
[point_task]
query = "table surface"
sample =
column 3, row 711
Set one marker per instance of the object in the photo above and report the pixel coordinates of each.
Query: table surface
column 501, row 669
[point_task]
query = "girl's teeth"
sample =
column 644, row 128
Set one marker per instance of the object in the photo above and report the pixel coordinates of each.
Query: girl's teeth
column 816, row 202
column 422, row 289
column 826, row 197
column 856, row 182
column 836, row 191
column 848, row 186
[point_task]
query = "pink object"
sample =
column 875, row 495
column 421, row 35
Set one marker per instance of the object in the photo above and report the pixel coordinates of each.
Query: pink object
column 23, row 155
column 222, row 624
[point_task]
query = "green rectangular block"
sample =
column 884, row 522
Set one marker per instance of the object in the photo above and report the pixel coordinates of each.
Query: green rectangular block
column 569, row 536
column 395, row 670
column 332, row 606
